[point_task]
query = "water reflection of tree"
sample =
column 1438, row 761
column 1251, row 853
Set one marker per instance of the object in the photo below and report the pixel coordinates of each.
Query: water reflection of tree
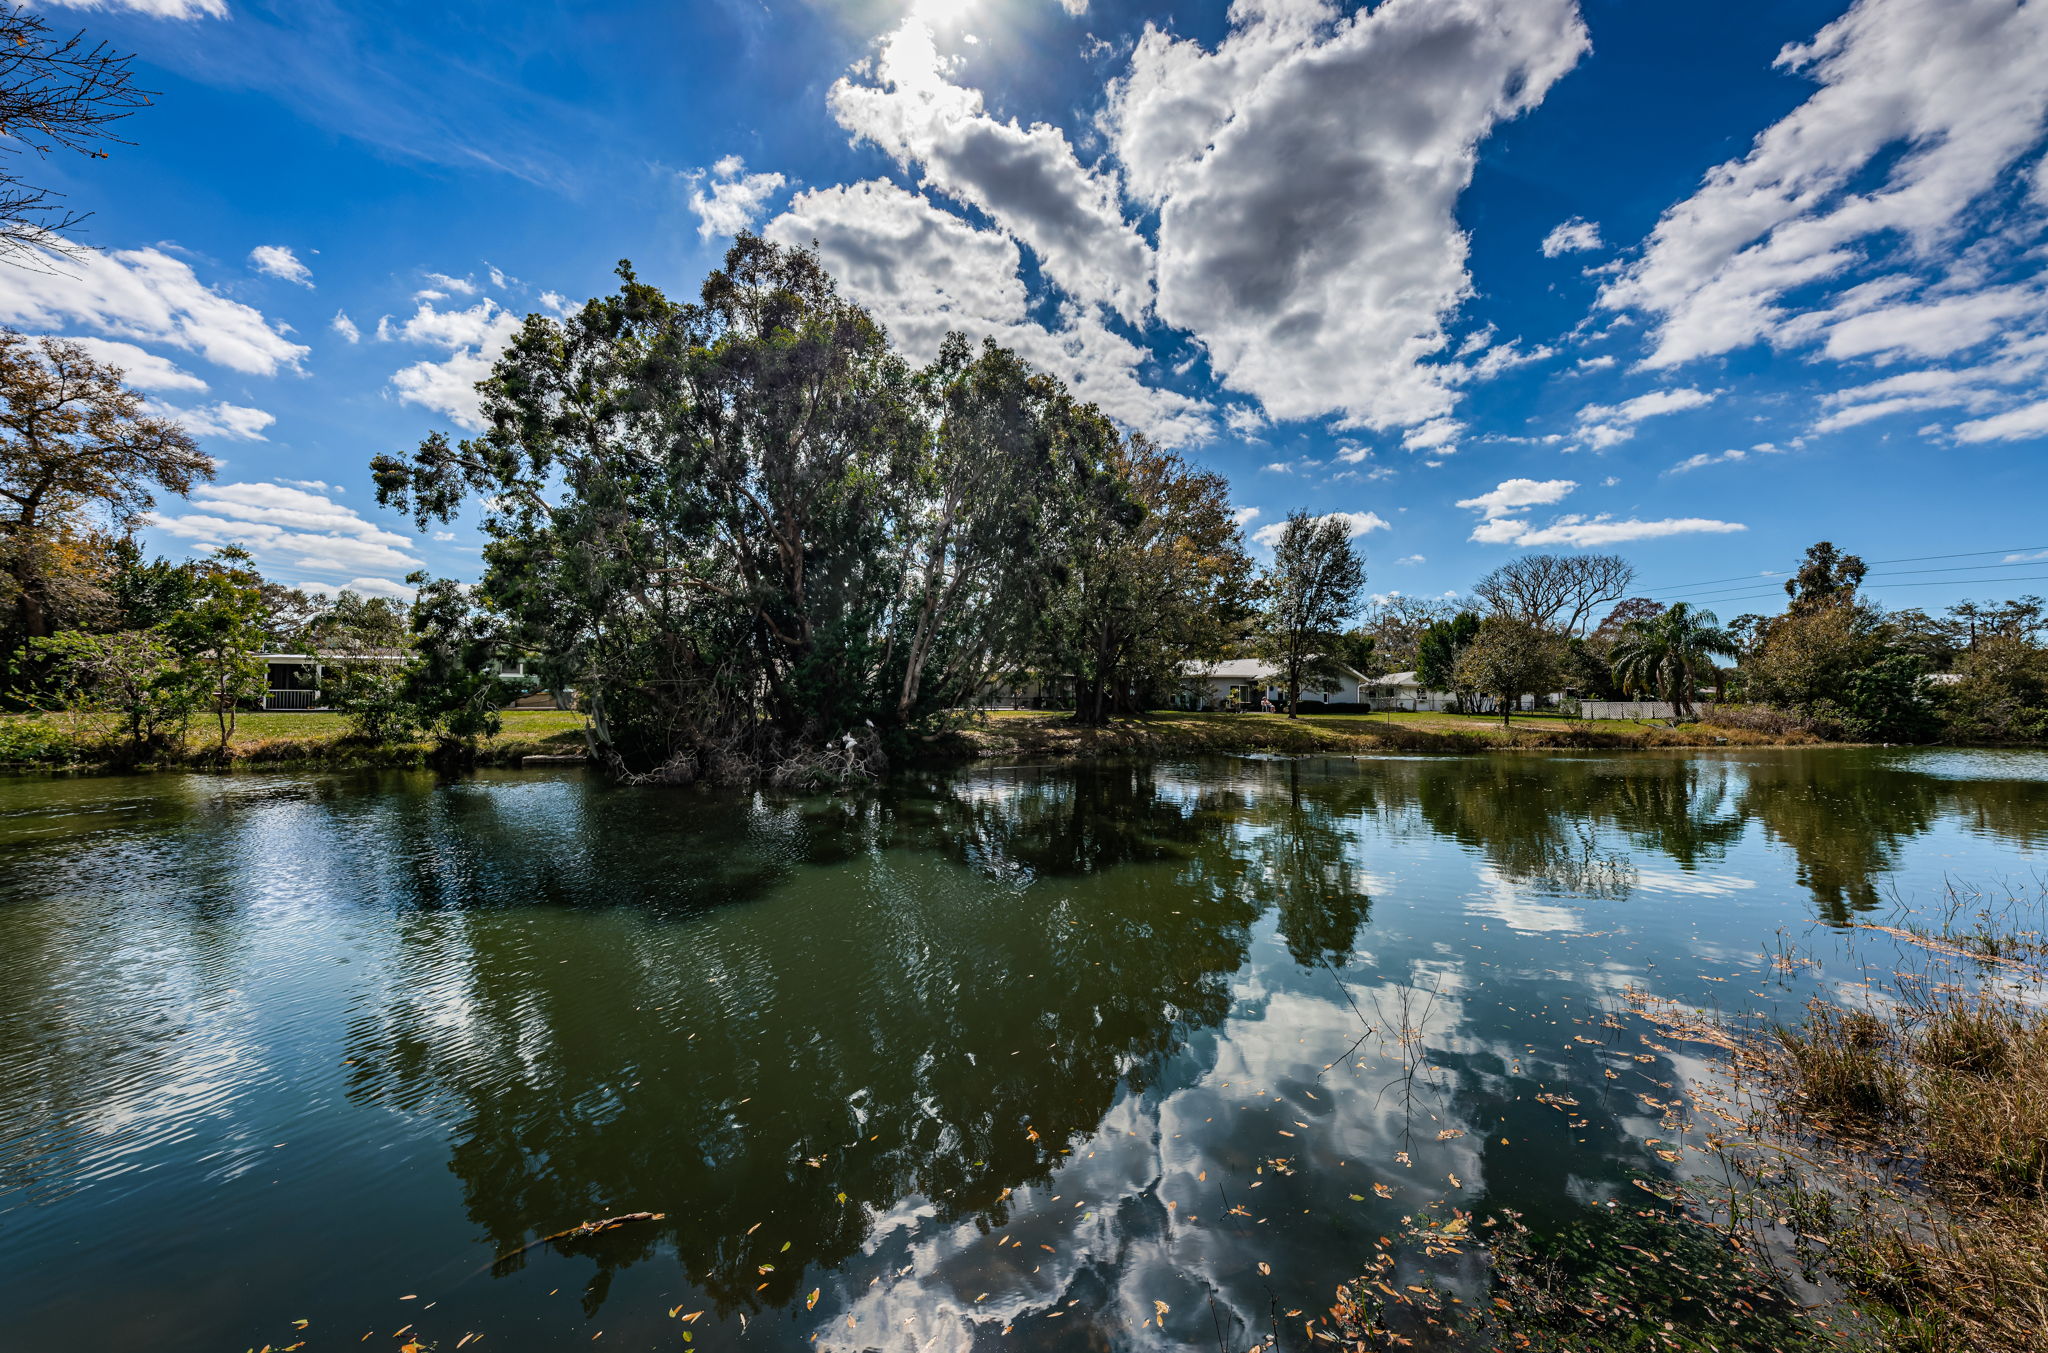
column 1845, row 820
column 1301, row 853
column 933, row 1032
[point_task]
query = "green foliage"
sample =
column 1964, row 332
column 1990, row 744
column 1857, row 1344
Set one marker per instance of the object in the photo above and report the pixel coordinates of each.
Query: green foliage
column 217, row 636
column 1670, row 655
column 449, row 686
column 1508, row 659
column 749, row 531
column 132, row 676
column 1843, row 667
column 2003, row 694
column 1310, row 590
column 147, row 592
column 1437, row 652
column 1155, row 577
column 34, row 742
column 1826, row 578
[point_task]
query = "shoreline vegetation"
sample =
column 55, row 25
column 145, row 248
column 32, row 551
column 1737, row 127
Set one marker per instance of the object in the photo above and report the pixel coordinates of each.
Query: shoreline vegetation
column 550, row 737
column 1888, row 1147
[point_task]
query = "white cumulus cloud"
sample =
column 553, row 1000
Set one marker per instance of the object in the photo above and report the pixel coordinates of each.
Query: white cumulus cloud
column 279, row 261
column 1921, row 107
column 1306, row 173
column 160, row 9
column 473, row 338
column 145, row 295
column 1605, row 425
column 924, row 271
column 141, row 369
column 221, row 421
column 1512, row 495
column 291, row 528
column 736, row 198
column 1028, row 179
column 1356, row 524
column 1499, row 523
column 1577, row 235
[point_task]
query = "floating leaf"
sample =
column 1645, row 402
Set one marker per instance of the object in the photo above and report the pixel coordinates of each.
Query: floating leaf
column 812, row 1300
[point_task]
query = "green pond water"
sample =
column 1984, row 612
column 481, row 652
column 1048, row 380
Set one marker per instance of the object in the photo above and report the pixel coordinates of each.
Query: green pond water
column 1016, row 1049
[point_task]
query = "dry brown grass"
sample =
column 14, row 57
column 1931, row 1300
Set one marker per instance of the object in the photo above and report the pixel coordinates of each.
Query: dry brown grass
column 1906, row 1142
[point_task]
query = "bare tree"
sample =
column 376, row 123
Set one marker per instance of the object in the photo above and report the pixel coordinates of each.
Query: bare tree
column 1559, row 593
column 56, row 93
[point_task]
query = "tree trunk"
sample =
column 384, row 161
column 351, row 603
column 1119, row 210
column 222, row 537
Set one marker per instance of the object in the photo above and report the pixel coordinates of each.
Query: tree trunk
column 1294, row 699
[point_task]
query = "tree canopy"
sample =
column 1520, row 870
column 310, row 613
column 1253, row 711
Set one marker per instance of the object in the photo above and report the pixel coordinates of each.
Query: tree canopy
column 764, row 543
column 1310, row 590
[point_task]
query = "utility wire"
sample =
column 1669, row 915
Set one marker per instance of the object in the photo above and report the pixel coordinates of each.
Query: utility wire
column 1940, row 582
column 1916, row 559
column 1896, row 573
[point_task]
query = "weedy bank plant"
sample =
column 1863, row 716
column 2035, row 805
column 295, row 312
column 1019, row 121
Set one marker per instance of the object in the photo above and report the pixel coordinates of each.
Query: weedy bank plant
column 1897, row 1148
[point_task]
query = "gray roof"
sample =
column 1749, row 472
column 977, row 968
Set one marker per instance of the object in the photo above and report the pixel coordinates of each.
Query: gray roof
column 1248, row 669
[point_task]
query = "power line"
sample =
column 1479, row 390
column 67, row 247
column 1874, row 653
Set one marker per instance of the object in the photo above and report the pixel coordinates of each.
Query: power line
column 1899, row 573
column 1915, row 559
column 1940, row 582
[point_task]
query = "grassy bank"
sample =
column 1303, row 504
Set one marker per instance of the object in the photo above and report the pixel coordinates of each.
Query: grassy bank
column 30, row 741
column 1034, row 735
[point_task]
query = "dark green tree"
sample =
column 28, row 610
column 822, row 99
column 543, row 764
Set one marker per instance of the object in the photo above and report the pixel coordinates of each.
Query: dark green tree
column 218, row 637
column 1311, row 588
column 1437, row 653
column 1670, row 655
column 1508, row 659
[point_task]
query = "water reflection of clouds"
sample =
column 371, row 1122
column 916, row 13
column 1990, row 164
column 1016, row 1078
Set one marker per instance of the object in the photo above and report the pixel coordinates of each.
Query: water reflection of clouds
column 1141, row 1213
column 1694, row 885
column 1503, row 900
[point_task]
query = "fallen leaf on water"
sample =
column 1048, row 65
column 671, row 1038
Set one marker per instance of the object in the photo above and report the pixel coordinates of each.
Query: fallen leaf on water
column 1266, row 1268
column 1448, row 1133
column 812, row 1299
column 1456, row 1182
column 1401, row 1157
column 1382, row 1190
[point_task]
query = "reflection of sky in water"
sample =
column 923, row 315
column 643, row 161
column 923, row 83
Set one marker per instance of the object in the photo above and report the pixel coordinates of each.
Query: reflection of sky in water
column 1071, row 1044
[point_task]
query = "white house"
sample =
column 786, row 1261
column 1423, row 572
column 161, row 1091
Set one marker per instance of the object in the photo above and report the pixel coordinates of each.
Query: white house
column 1403, row 690
column 1245, row 682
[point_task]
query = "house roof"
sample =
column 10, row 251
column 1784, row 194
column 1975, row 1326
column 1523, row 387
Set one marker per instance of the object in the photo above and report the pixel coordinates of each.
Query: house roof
column 1397, row 679
column 1248, row 669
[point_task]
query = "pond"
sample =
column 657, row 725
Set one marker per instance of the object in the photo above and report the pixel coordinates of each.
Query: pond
column 1125, row 1056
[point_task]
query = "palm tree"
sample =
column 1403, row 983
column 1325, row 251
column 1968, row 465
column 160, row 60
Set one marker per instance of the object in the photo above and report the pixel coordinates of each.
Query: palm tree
column 1669, row 653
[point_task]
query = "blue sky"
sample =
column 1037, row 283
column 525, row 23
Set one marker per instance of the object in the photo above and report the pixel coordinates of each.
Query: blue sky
column 1697, row 282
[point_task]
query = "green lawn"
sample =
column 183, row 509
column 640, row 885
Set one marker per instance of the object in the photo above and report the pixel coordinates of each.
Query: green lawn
column 521, row 724
column 278, row 739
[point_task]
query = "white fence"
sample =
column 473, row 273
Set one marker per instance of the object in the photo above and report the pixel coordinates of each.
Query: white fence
column 1633, row 709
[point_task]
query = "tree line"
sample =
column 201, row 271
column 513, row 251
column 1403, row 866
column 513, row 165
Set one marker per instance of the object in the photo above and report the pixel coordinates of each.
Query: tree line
column 757, row 542
column 1832, row 662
